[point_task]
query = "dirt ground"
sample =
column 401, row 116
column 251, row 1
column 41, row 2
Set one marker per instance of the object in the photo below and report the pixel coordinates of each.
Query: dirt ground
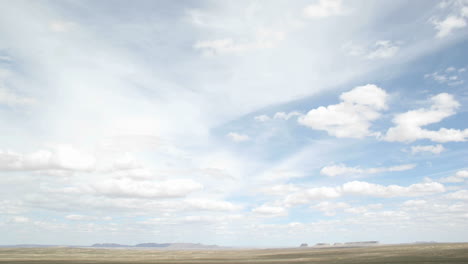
column 422, row 253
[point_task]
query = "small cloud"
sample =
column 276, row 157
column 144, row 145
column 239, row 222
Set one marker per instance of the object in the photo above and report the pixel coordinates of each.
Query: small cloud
column 262, row 118
column 352, row 117
column 409, row 125
column 435, row 149
column 382, row 49
column 20, row 219
column 449, row 24
column 325, row 8
column 460, row 176
column 450, row 76
column 270, row 210
column 336, row 170
column 236, row 137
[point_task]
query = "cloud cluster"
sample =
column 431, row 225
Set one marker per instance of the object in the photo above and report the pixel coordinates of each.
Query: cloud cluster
column 460, row 176
column 381, row 49
column 435, row 149
column 277, row 115
column 353, row 116
column 456, row 20
column 341, row 169
column 450, row 76
column 237, row 137
column 305, row 196
column 408, row 126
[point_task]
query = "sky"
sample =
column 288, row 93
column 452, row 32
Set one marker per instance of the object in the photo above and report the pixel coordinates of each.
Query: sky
column 236, row 123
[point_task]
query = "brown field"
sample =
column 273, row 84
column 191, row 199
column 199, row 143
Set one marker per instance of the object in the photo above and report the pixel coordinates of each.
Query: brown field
column 421, row 253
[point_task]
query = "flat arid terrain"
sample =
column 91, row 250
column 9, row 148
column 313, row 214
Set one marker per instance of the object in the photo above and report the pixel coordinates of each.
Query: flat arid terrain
column 414, row 253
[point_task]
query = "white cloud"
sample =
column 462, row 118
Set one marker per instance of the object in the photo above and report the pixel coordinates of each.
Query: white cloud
column 330, row 208
column 264, row 39
column 435, row 149
column 352, row 117
column 77, row 217
column 146, row 189
column 460, row 176
column 62, row 157
column 212, row 205
column 262, row 118
column 449, row 24
column 270, row 210
column 383, row 49
column 311, row 194
column 277, row 115
column 377, row 190
column 341, row 169
column 409, row 125
column 20, row 219
column 10, row 98
column 280, row 189
column 325, row 8
column 451, row 76
column 237, row 137
column 286, row 116
column 458, row 195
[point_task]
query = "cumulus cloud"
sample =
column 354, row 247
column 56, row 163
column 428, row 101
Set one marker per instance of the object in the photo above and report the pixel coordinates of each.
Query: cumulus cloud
column 279, row 189
column 264, row 39
column 146, row 189
column 435, row 149
column 62, row 157
column 450, row 76
column 262, row 118
column 460, row 176
column 325, row 8
column 341, row 169
column 237, row 137
column 211, row 205
column 353, row 116
column 377, row 190
column 381, row 49
column 270, row 210
column 77, row 217
column 455, row 20
column 330, row 208
column 449, row 24
column 277, row 115
column 20, row 219
column 308, row 195
column 311, row 194
column 458, row 195
column 409, row 125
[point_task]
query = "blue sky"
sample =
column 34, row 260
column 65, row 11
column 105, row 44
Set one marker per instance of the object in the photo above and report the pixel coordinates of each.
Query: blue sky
column 240, row 123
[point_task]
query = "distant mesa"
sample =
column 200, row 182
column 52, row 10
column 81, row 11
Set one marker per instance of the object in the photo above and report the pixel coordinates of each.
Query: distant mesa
column 153, row 245
column 362, row 243
column 304, row 245
column 322, row 245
